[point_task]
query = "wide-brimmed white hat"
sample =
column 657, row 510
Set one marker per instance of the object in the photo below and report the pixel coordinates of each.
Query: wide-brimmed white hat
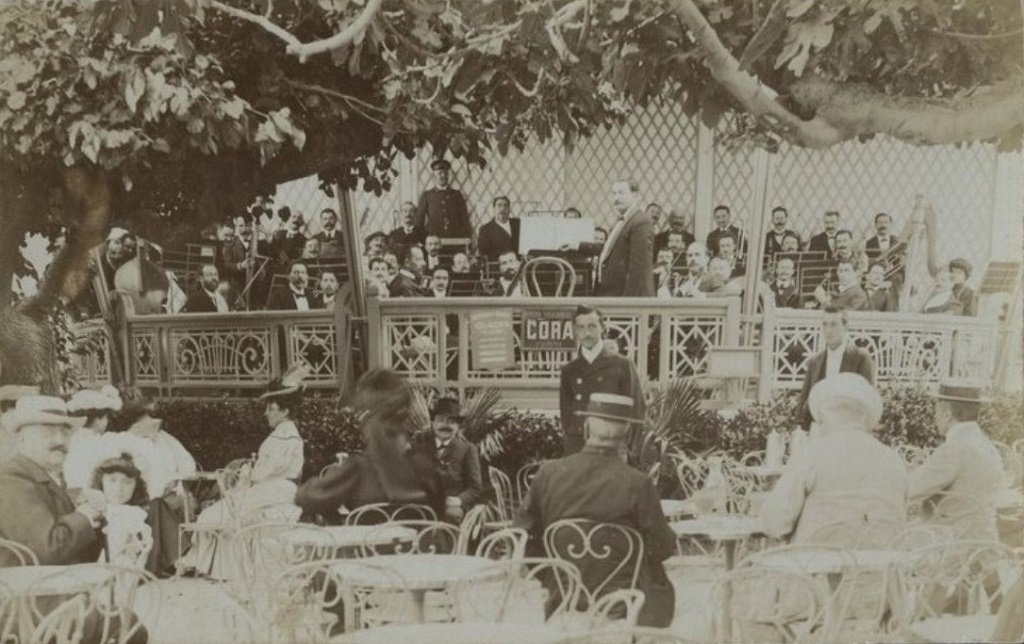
column 87, row 457
column 39, row 410
column 847, row 387
column 105, row 399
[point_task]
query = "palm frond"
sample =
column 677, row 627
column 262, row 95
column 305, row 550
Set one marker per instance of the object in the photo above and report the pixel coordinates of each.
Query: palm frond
column 479, row 409
column 674, row 413
column 419, row 409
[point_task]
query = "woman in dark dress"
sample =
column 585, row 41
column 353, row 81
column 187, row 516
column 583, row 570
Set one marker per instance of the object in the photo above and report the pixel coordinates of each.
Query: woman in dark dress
column 389, row 470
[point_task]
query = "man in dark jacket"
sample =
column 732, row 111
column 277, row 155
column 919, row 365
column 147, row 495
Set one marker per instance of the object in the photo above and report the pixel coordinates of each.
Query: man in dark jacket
column 458, row 459
column 595, row 368
column 825, row 241
column 839, row 356
column 408, row 281
column 597, row 486
column 35, row 508
column 207, row 299
column 499, row 235
column 297, row 297
column 442, row 210
column 626, row 258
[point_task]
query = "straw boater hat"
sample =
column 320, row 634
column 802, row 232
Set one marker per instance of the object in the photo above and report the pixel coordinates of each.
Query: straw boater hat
column 610, row 407
column 960, row 392
column 39, row 410
column 107, row 399
column 850, row 387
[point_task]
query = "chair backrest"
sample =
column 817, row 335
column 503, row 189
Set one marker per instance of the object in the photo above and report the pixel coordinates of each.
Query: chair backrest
column 13, row 553
column 102, row 608
column 9, row 606
column 519, row 591
column 691, row 474
column 374, row 513
column 502, row 492
column 621, row 607
column 524, row 478
column 560, row 277
column 374, row 596
column 921, row 535
column 769, row 605
column 432, row 537
column 861, row 535
column 608, row 555
column 263, row 550
column 507, row 543
column 306, row 602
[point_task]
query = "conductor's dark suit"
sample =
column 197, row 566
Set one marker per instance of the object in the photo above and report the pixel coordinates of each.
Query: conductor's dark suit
column 626, row 271
column 855, row 360
column 492, row 240
column 608, row 373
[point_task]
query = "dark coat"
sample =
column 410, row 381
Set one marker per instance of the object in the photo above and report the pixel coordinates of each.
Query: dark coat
column 718, row 233
column 37, row 512
column 331, row 245
column 199, row 302
column 596, row 485
column 283, row 299
column 882, row 299
column 819, row 243
column 459, row 466
column 399, row 238
column 443, row 212
column 661, row 240
column 405, row 286
column 852, row 299
column 626, row 271
column 773, row 241
column 609, row 373
column 963, row 301
column 855, row 360
column 492, row 240
column 788, row 297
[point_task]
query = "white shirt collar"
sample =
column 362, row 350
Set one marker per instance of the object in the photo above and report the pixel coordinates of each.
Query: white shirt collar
column 840, row 350
column 297, row 293
column 592, row 354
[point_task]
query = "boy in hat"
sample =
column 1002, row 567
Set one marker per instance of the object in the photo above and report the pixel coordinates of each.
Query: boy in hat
column 966, row 466
column 35, row 508
column 597, row 485
column 458, row 458
column 442, row 210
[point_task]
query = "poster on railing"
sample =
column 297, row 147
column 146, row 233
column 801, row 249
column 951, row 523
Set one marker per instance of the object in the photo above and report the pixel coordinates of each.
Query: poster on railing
column 490, row 340
column 548, row 330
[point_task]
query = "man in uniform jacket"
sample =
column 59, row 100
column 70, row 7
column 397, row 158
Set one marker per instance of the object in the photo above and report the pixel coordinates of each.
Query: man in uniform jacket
column 499, row 235
column 458, row 460
column 839, row 356
column 35, row 508
column 597, row 486
column 595, row 368
column 626, row 258
column 442, row 210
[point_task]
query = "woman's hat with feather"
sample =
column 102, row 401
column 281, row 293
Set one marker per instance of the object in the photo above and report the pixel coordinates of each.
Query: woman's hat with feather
column 289, row 386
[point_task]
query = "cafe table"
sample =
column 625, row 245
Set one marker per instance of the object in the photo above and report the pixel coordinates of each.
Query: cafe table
column 969, row 628
column 348, row 538
column 729, row 530
column 415, row 573
column 457, row 633
column 29, row 583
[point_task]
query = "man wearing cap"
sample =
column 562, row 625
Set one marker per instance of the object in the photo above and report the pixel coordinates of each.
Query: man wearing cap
column 840, row 356
column 597, row 485
column 593, row 369
column 960, row 478
column 458, row 459
column 35, row 508
column 442, row 210
column 846, row 484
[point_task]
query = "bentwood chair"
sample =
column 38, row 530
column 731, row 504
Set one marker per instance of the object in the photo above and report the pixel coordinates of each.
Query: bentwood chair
column 507, row 543
column 548, row 277
column 524, row 478
column 503, row 493
column 768, row 605
column 432, row 538
column 13, row 553
column 608, row 555
column 374, row 513
column 523, row 591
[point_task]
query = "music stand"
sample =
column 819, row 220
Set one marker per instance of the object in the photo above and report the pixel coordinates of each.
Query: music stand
column 1000, row 277
column 464, row 284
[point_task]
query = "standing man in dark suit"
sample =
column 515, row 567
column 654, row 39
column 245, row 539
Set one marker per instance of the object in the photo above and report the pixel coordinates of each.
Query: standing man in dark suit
column 594, row 368
column 442, row 210
column 839, row 356
column 825, row 241
column 331, row 246
column 207, row 299
column 500, row 234
column 724, row 228
column 624, row 265
column 297, row 297
column 773, row 238
column 458, row 459
column 408, row 281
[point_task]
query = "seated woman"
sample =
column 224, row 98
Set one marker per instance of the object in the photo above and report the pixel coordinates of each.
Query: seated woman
column 129, row 536
column 97, row 406
column 388, row 471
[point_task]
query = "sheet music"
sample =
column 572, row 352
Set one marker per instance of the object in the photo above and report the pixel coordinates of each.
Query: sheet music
column 552, row 233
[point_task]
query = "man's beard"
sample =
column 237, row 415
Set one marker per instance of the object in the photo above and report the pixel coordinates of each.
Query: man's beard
column 509, row 275
column 299, row 286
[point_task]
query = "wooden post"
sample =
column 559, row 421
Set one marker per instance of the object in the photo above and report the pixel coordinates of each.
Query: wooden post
column 705, row 182
column 374, row 329
column 353, row 248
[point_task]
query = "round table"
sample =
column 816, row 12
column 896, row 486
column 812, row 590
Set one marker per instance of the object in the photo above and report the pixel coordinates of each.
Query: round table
column 970, row 628
column 349, row 536
column 191, row 611
column 461, row 633
column 416, row 573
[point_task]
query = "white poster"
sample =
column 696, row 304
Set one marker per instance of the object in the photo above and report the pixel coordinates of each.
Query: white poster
column 553, row 233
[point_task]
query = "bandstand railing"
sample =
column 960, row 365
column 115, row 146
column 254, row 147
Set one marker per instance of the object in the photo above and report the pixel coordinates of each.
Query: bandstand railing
column 907, row 348
column 91, row 358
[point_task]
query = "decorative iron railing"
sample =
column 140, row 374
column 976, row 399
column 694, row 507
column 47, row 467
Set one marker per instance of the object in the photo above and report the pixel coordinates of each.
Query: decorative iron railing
column 907, row 348
column 91, row 356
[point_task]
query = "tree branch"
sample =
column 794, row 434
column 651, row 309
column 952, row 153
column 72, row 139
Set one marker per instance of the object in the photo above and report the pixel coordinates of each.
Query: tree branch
column 757, row 98
column 304, row 51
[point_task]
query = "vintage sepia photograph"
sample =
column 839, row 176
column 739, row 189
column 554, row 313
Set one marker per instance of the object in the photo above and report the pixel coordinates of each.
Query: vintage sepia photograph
column 511, row 321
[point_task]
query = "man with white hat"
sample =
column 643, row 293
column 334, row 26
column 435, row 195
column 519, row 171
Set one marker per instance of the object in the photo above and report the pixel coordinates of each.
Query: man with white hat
column 35, row 509
column 846, row 485
column 597, row 485
column 960, row 478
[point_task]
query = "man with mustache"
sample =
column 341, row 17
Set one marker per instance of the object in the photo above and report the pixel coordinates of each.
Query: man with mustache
column 35, row 507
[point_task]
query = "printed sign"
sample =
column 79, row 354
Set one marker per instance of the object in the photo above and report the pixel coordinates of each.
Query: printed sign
column 550, row 330
column 490, row 340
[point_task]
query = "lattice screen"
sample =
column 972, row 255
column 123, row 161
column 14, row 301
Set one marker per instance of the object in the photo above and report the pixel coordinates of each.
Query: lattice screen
column 733, row 180
column 305, row 196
